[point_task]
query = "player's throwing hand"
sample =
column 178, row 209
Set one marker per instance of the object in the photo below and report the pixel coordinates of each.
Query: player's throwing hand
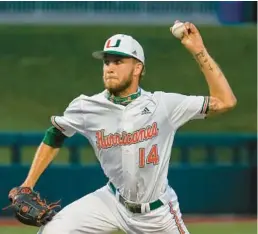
column 191, row 37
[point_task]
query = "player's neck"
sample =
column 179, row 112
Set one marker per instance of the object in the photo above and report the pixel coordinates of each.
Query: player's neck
column 127, row 92
column 125, row 98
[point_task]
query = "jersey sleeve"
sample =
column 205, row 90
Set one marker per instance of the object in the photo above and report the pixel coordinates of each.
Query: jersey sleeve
column 72, row 119
column 183, row 108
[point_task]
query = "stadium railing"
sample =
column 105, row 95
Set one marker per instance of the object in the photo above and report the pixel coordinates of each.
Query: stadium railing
column 238, row 145
column 209, row 187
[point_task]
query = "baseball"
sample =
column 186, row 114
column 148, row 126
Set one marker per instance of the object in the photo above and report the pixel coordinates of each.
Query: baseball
column 178, row 30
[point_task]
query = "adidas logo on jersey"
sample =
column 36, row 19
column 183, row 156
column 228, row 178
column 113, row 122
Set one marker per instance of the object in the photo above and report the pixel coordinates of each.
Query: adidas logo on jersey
column 146, row 111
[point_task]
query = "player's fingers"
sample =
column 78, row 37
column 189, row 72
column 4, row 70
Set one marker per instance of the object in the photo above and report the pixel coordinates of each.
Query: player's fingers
column 193, row 28
column 187, row 25
column 186, row 29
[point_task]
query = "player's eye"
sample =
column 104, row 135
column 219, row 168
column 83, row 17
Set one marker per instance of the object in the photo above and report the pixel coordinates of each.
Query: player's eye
column 106, row 62
column 115, row 61
column 118, row 61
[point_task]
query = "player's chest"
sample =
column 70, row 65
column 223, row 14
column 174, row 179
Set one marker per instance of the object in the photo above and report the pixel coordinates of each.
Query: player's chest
column 125, row 126
column 118, row 118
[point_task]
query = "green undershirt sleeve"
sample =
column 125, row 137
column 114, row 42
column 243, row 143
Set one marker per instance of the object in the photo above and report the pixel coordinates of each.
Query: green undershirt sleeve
column 54, row 137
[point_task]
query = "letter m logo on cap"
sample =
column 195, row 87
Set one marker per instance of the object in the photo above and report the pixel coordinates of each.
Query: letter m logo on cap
column 113, row 43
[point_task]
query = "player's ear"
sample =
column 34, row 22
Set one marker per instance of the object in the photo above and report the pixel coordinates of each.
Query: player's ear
column 138, row 68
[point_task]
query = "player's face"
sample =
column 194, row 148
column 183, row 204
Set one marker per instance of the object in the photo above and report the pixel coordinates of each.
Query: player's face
column 118, row 73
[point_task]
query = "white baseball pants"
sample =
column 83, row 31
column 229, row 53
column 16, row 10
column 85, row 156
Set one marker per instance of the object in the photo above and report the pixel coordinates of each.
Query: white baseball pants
column 100, row 212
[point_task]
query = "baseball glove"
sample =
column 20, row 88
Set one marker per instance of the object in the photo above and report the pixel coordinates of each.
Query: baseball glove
column 29, row 208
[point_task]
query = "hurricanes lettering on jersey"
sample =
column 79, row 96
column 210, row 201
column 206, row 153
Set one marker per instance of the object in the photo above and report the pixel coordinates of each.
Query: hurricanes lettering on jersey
column 124, row 138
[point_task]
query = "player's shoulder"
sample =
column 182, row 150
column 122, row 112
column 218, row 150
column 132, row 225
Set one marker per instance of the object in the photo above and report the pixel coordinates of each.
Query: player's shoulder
column 84, row 97
column 148, row 95
column 89, row 100
column 151, row 94
column 158, row 95
column 171, row 99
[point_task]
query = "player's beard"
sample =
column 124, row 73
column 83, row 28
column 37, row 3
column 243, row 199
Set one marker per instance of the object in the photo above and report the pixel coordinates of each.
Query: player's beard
column 118, row 88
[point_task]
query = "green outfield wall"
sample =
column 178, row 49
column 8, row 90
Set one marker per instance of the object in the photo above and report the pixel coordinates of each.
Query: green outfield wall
column 43, row 68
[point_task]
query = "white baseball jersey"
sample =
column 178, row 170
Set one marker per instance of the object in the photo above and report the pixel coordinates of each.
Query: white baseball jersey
column 132, row 143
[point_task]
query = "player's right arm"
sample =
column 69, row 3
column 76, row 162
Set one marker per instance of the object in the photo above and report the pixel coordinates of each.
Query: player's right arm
column 44, row 155
column 63, row 127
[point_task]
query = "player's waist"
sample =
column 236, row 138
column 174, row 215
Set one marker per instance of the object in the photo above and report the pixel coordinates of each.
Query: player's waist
column 140, row 207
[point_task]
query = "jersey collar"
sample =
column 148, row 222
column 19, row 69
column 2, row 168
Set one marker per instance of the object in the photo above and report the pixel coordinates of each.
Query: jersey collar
column 124, row 100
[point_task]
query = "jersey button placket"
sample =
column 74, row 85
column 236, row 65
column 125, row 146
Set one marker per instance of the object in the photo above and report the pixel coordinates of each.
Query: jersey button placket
column 128, row 161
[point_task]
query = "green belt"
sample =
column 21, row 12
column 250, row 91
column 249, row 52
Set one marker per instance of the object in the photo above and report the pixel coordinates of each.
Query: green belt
column 133, row 207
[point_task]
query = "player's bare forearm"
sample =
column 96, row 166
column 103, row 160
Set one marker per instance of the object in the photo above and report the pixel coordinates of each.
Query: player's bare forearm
column 222, row 97
column 43, row 157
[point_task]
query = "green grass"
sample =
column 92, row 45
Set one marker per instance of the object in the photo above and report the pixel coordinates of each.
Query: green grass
column 223, row 228
column 205, row 228
column 43, row 68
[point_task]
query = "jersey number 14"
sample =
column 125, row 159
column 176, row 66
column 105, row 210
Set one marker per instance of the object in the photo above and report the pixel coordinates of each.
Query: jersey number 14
column 151, row 158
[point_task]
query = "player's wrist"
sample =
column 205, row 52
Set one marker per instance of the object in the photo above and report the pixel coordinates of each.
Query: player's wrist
column 199, row 50
column 27, row 185
column 202, row 57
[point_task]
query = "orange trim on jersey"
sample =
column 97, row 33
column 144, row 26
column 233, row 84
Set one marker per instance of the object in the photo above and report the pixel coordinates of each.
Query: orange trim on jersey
column 53, row 121
column 173, row 212
column 205, row 105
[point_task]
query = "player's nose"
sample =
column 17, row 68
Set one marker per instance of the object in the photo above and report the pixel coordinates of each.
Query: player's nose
column 110, row 68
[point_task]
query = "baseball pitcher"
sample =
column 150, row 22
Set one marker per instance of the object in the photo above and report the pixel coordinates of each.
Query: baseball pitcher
column 131, row 131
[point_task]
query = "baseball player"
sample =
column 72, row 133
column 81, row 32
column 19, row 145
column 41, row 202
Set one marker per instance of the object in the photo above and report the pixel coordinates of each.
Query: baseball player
column 131, row 131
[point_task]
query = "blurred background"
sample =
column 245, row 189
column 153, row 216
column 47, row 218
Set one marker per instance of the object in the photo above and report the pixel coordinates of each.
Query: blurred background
column 45, row 62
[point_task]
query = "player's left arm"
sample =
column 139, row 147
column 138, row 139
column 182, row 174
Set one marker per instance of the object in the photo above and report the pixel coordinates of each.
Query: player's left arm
column 221, row 97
